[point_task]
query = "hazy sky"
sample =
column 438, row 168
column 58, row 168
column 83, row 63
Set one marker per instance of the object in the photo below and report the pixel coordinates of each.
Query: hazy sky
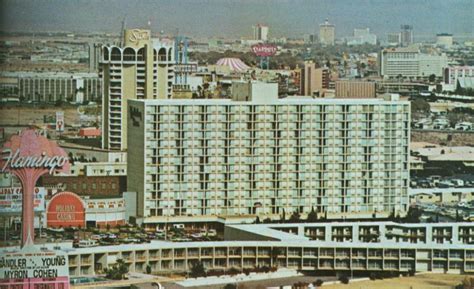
column 234, row 18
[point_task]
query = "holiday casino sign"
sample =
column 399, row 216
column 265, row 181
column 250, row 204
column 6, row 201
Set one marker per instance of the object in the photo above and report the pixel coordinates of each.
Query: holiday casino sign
column 29, row 155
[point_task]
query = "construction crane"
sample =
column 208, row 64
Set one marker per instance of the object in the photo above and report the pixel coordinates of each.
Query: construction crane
column 122, row 31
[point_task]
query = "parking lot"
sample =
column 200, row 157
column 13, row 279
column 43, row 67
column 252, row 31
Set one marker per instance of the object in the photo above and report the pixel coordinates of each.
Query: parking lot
column 126, row 234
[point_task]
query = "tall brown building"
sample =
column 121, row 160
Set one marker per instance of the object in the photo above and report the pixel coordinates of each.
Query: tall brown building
column 313, row 80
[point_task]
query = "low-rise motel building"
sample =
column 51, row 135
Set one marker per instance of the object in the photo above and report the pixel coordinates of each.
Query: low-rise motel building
column 331, row 247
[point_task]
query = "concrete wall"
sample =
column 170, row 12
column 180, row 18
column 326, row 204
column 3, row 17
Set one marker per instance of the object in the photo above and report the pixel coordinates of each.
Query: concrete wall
column 136, row 131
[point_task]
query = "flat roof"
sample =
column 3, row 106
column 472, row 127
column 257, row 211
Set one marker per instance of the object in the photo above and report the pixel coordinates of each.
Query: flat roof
column 156, row 245
column 282, row 101
column 48, row 74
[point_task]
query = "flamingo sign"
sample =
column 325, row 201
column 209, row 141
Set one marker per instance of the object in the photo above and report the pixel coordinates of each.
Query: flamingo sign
column 29, row 155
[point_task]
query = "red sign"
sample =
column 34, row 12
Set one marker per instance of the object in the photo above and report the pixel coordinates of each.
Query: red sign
column 264, row 50
column 29, row 155
column 66, row 210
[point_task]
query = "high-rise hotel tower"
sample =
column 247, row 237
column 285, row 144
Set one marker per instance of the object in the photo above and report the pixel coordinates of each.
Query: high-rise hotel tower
column 142, row 69
column 260, row 155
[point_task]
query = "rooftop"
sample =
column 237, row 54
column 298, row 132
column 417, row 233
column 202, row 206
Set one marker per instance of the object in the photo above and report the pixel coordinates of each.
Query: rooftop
column 443, row 153
column 281, row 101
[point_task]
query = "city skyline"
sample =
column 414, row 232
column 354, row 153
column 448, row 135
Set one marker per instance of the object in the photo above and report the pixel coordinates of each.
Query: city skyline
column 226, row 18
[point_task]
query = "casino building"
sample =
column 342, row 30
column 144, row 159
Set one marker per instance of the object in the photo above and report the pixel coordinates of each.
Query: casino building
column 66, row 209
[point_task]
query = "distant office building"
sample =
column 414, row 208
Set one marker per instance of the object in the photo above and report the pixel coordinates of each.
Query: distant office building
column 94, row 56
column 406, row 35
column 453, row 73
column 409, row 62
column 9, row 86
column 260, row 32
column 313, row 80
column 355, row 89
column 394, row 39
column 309, row 38
column 200, row 159
column 362, row 36
column 53, row 87
column 142, row 69
column 327, row 33
column 444, row 40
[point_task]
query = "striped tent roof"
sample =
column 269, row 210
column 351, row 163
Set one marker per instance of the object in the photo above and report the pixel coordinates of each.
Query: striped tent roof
column 235, row 64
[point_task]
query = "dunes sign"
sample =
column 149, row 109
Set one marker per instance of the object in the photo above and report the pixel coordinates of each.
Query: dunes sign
column 264, row 50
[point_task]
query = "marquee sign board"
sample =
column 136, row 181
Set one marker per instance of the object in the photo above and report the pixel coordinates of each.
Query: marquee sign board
column 32, row 268
column 60, row 121
column 21, row 265
column 11, row 200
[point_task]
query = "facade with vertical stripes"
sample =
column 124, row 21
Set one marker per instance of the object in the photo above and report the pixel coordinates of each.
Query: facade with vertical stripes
column 344, row 158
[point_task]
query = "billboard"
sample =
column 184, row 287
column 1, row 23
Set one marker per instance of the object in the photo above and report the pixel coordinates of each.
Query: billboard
column 264, row 50
column 11, row 200
column 60, row 121
column 29, row 266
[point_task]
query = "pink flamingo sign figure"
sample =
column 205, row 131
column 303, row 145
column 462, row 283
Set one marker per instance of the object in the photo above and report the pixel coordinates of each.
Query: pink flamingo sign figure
column 28, row 156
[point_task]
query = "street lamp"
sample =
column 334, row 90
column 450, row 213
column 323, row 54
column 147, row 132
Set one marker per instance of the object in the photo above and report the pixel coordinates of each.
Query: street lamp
column 167, row 220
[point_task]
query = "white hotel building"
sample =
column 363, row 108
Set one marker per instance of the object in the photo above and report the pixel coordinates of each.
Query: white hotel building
column 268, row 156
column 410, row 62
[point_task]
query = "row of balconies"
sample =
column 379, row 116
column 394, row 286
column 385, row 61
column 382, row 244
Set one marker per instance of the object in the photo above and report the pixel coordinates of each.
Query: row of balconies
column 293, row 261
column 307, row 122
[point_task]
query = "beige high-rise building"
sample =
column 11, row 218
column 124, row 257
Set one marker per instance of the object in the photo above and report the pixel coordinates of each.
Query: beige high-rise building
column 260, row 32
column 142, row 69
column 327, row 33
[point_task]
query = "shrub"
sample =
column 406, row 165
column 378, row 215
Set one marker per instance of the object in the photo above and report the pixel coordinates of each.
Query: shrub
column 318, row 283
column 344, row 279
column 265, row 269
column 198, row 270
column 300, row 285
column 233, row 271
